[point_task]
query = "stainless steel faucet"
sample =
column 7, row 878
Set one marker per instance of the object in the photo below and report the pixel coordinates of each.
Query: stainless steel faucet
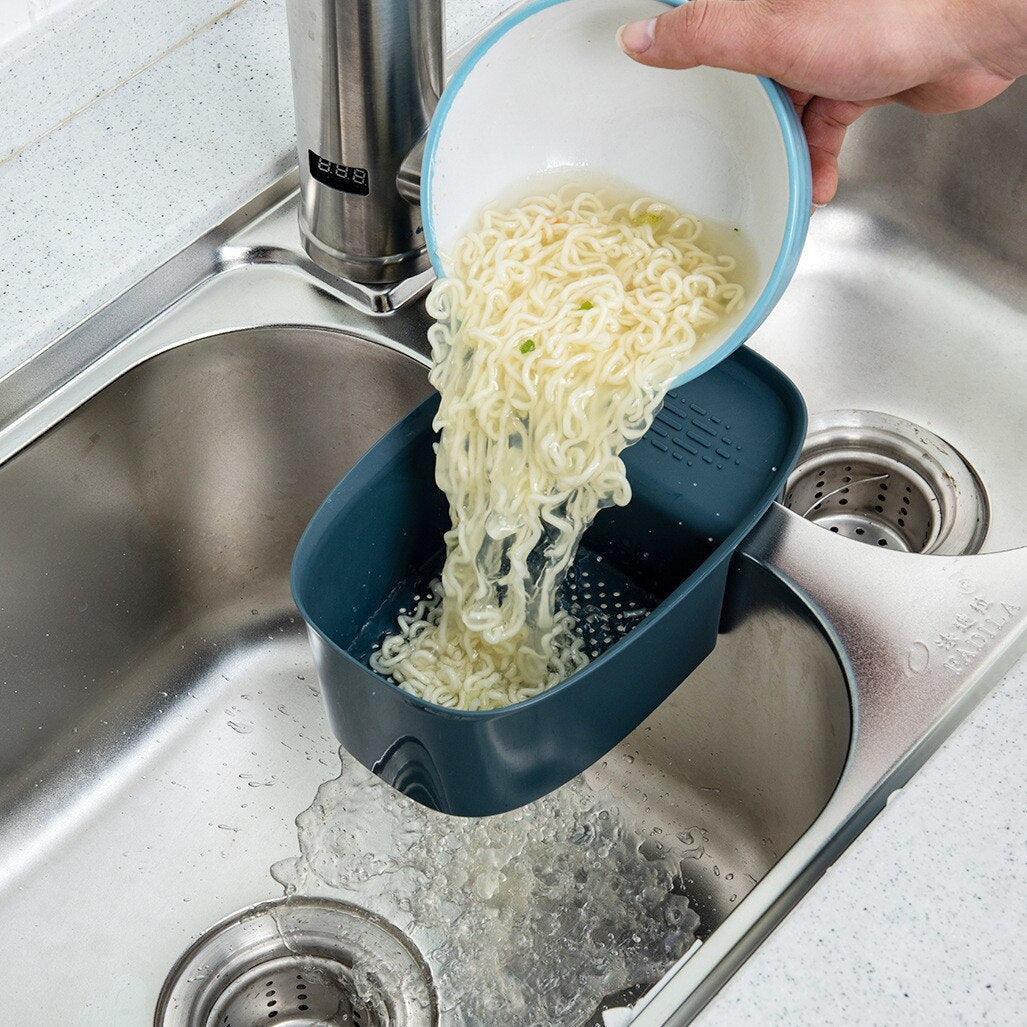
column 366, row 76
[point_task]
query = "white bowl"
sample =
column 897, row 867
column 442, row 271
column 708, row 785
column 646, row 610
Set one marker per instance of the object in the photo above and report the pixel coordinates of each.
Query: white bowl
column 548, row 96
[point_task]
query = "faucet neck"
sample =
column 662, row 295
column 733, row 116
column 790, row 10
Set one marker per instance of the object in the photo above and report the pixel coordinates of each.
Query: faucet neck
column 367, row 75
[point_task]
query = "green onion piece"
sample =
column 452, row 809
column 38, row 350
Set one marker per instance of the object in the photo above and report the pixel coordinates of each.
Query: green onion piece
column 585, row 306
column 650, row 217
column 527, row 346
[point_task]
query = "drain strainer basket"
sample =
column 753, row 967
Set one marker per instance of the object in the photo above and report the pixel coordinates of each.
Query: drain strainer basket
column 301, row 962
column 888, row 482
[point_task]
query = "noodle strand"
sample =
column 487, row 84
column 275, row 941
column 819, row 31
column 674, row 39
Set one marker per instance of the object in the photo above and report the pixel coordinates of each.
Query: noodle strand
column 556, row 336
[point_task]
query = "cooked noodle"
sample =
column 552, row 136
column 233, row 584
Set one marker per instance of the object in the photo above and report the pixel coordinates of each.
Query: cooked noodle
column 563, row 322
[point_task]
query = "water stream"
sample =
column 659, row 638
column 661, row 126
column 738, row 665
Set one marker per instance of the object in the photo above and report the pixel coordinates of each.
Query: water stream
column 534, row 915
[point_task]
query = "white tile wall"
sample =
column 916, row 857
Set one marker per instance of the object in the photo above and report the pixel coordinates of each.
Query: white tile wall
column 100, row 201
column 80, row 50
column 14, row 19
column 82, row 216
column 19, row 16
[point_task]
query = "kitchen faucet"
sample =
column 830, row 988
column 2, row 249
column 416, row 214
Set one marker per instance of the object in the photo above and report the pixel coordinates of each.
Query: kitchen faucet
column 367, row 75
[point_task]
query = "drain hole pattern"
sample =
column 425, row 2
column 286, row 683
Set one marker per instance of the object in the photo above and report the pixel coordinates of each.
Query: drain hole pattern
column 605, row 603
column 855, row 499
column 887, row 482
column 300, row 962
column 325, row 993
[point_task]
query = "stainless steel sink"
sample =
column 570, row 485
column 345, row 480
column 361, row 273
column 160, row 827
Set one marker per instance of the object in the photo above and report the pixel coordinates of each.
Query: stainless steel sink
column 162, row 728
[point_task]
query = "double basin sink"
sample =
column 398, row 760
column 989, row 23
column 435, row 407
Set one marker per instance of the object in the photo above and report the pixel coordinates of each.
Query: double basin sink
column 162, row 726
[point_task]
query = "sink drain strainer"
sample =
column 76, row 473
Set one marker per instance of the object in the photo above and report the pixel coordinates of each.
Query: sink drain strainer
column 301, row 962
column 888, row 482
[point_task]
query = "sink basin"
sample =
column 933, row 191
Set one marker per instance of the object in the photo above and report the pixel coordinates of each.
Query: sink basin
column 163, row 733
column 163, row 726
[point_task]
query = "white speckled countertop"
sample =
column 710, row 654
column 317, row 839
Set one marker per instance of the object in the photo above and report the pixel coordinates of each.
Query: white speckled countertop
column 128, row 128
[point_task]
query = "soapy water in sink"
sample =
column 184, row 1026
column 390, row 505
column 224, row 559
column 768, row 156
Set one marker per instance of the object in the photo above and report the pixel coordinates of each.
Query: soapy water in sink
column 531, row 917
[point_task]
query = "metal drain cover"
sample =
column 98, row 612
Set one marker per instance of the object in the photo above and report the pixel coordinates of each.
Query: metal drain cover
column 888, row 482
column 304, row 962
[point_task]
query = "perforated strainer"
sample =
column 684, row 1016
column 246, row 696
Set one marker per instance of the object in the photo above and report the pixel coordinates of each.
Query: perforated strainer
column 302, row 961
column 886, row 481
column 715, row 458
column 321, row 993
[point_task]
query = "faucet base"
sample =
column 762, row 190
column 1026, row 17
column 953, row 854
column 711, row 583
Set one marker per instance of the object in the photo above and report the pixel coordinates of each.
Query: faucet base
column 367, row 270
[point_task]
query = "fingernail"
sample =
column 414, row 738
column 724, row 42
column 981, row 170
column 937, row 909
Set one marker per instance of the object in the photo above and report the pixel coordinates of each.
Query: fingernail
column 637, row 36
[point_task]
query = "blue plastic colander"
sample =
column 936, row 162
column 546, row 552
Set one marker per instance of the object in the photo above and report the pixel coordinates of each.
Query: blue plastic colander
column 714, row 460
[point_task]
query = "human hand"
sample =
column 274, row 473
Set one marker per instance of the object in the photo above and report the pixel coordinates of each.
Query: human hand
column 839, row 58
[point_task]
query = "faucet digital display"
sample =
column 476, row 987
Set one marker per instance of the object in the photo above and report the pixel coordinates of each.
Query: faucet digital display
column 338, row 176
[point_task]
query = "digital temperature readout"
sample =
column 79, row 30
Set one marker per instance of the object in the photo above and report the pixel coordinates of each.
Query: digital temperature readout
column 338, row 176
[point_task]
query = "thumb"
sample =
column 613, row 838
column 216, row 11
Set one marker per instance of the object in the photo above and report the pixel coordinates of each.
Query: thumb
column 731, row 34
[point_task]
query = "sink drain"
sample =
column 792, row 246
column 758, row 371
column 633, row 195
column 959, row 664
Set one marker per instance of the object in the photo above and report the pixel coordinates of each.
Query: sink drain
column 303, row 962
column 888, row 482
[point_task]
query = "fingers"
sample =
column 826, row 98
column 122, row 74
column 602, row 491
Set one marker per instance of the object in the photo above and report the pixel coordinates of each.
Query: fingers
column 746, row 35
column 825, row 123
column 723, row 33
column 799, row 100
